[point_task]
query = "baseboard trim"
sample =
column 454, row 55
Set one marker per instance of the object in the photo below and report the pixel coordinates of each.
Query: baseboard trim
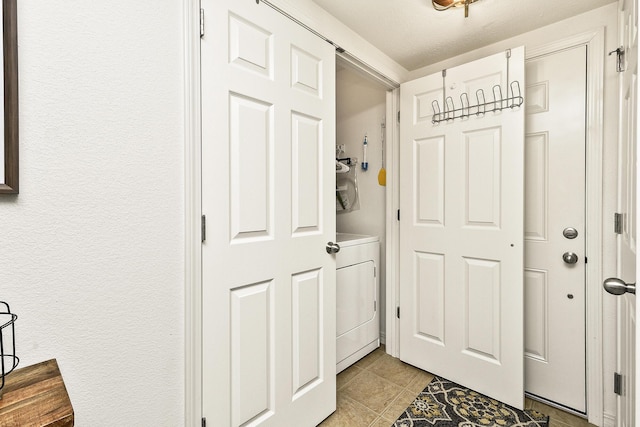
column 608, row 420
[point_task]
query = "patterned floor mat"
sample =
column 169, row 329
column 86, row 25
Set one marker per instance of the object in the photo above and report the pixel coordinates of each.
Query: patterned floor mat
column 446, row 404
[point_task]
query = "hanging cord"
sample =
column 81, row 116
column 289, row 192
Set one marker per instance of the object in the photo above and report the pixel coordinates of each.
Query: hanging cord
column 383, row 126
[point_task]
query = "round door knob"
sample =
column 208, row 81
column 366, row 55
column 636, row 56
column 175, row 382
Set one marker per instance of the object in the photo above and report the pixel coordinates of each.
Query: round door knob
column 333, row 248
column 570, row 257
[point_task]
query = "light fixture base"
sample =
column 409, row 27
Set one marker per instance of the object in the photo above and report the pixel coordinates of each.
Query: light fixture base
column 441, row 5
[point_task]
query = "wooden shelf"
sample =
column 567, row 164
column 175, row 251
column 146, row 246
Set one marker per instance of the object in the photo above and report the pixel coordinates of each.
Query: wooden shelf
column 35, row 396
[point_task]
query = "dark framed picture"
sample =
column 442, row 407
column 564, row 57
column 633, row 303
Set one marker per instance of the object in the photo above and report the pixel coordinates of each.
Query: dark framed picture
column 9, row 156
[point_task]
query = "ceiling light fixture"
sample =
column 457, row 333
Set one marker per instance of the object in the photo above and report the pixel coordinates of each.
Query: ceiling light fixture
column 440, row 5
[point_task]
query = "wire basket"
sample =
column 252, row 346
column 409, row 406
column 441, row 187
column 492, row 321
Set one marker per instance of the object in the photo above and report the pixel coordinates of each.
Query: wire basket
column 8, row 358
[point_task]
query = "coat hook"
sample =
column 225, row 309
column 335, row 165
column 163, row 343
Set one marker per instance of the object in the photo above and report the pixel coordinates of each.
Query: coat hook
column 620, row 58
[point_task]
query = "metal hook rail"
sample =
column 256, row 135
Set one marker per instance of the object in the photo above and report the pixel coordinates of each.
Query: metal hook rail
column 481, row 107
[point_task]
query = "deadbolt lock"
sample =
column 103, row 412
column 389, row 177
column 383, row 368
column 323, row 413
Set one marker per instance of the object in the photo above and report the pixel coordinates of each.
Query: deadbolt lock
column 570, row 233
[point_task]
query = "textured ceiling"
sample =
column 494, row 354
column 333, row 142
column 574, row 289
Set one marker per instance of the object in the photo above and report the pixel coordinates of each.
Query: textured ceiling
column 413, row 34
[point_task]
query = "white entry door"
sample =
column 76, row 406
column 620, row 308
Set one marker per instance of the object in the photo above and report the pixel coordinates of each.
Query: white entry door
column 268, row 283
column 461, row 230
column 627, row 206
column 555, row 228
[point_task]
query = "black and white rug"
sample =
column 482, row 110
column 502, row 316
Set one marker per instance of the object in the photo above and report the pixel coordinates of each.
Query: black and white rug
column 446, row 404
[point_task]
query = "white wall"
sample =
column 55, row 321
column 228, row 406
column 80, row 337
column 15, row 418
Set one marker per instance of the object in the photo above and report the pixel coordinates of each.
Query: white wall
column 93, row 246
column 602, row 17
column 360, row 109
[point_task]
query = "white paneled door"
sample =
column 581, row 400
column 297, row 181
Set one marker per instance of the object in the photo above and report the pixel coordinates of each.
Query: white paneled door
column 627, row 207
column 555, row 228
column 461, row 230
column 268, row 283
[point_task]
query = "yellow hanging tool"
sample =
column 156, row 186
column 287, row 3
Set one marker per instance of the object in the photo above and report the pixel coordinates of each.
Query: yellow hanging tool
column 382, row 175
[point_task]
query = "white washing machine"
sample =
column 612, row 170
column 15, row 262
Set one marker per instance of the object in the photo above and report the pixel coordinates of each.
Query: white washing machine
column 357, row 290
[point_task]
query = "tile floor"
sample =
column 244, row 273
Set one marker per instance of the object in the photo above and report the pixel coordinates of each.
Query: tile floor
column 375, row 390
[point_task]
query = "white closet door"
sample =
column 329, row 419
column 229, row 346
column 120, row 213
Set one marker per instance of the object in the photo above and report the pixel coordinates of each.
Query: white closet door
column 268, row 300
column 461, row 232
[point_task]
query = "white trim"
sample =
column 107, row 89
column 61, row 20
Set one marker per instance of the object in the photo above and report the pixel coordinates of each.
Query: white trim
column 594, row 40
column 595, row 148
column 368, row 70
column 609, row 420
column 392, row 164
column 193, row 209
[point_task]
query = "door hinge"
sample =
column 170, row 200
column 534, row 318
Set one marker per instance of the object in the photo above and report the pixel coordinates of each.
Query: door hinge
column 617, row 223
column 204, row 422
column 375, row 306
column 203, row 228
column 398, row 116
column 617, row 383
column 398, row 214
column 375, row 271
column 398, row 312
column 201, row 23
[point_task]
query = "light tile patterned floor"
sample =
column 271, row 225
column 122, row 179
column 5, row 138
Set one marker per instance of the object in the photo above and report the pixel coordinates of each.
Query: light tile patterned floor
column 375, row 390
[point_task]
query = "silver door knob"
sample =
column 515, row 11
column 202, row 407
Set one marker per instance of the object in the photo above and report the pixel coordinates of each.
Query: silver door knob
column 333, row 248
column 615, row 286
column 570, row 257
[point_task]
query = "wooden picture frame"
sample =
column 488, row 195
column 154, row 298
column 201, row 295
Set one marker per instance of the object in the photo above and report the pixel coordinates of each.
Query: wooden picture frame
column 9, row 156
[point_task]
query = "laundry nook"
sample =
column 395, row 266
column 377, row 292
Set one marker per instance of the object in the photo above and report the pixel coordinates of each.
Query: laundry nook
column 360, row 214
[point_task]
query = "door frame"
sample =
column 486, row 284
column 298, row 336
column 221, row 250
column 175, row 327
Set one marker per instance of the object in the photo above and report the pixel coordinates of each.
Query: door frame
column 193, row 215
column 594, row 41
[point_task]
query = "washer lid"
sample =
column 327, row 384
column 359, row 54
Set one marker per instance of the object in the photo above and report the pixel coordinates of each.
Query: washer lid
column 349, row 239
